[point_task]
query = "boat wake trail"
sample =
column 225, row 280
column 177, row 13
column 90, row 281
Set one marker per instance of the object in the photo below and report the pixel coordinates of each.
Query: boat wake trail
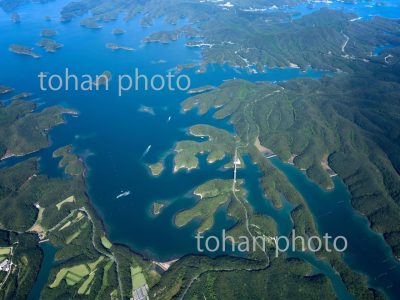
column 147, row 151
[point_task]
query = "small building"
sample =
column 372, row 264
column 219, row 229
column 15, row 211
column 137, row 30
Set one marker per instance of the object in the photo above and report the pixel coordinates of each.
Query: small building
column 5, row 265
column 42, row 236
column 141, row 293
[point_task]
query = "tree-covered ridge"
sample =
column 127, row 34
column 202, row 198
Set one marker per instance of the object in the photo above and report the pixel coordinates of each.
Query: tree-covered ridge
column 326, row 39
column 102, row 7
column 217, row 144
column 233, row 278
column 58, row 209
column 238, row 100
column 348, row 121
column 174, row 10
column 35, row 207
column 212, row 194
column 23, row 129
column 90, row 266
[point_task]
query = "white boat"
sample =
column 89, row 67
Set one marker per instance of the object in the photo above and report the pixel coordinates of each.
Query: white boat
column 147, row 151
column 123, row 194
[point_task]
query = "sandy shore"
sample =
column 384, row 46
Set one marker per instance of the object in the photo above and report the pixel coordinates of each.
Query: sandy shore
column 177, row 168
column 326, row 167
column 268, row 152
column 292, row 65
column 198, row 194
column 291, row 159
column 197, row 135
column 165, row 265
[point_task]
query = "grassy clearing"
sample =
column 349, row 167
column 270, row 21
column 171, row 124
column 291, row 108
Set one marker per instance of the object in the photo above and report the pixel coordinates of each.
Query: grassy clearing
column 75, row 274
column 105, row 282
column 66, row 225
column 79, row 216
column 105, row 276
column 72, row 237
column 73, row 219
column 105, row 242
column 84, row 289
column 70, row 199
column 5, row 251
column 72, row 275
column 80, row 270
column 72, row 279
column 114, row 295
column 138, row 278
column 94, row 265
column 60, row 276
column 40, row 215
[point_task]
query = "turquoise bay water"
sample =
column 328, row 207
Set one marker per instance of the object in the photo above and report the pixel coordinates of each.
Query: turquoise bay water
column 111, row 135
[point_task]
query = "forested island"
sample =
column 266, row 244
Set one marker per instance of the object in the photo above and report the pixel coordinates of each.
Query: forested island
column 23, row 50
column 118, row 31
column 48, row 33
column 113, row 46
column 49, row 45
